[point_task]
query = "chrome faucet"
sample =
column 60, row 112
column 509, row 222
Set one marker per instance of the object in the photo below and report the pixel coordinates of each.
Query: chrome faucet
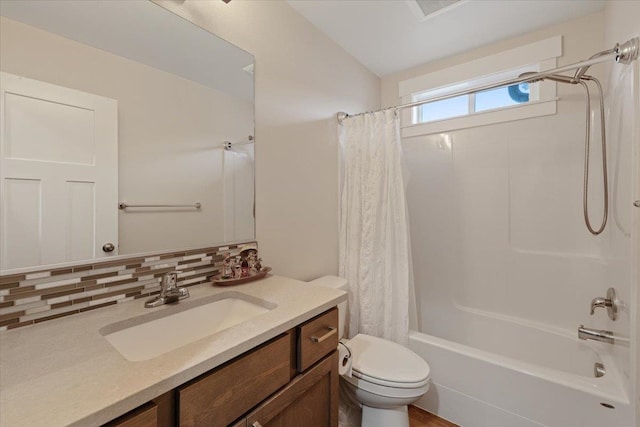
column 610, row 302
column 169, row 291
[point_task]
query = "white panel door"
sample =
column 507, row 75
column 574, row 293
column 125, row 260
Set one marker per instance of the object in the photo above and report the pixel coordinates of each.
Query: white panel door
column 58, row 173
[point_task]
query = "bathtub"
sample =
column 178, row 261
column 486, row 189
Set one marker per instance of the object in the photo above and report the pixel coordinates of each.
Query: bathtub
column 496, row 372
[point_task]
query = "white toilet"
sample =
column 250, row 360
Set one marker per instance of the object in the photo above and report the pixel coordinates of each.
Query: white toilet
column 386, row 376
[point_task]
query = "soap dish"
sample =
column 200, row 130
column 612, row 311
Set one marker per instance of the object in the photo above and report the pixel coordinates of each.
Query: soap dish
column 240, row 280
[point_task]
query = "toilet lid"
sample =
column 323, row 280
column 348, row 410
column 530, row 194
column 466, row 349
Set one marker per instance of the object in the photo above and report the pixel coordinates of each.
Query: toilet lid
column 387, row 363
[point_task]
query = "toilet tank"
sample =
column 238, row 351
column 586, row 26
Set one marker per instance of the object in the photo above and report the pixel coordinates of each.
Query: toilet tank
column 336, row 283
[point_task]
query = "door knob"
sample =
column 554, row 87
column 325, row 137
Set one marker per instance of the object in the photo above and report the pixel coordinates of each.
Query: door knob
column 108, row 247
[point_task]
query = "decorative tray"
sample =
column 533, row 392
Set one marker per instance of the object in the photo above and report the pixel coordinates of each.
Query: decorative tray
column 228, row 282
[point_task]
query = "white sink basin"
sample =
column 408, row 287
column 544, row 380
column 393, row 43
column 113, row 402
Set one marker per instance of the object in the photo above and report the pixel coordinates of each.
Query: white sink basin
column 159, row 332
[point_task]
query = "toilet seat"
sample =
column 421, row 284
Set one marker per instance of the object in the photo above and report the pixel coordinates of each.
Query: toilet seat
column 386, row 364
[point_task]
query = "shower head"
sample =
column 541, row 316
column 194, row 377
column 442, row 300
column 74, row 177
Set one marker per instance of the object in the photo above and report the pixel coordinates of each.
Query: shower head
column 555, row 77
column 530, row 73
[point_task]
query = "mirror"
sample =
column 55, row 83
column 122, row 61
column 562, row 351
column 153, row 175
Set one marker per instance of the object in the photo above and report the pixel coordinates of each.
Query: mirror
column 120, row 103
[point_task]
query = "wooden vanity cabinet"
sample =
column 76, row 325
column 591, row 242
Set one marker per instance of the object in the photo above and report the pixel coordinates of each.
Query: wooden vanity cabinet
column 289, row 381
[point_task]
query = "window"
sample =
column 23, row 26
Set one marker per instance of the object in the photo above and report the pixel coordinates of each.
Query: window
column 489, row 106
column 491, row 99
column 505, row 96
column 445, row 109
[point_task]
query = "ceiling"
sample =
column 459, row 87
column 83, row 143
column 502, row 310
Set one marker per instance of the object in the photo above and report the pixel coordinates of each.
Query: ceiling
column 387, row 36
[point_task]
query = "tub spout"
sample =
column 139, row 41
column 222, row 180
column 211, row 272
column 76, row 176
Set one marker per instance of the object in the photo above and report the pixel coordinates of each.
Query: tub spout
column 595, row 334
column 601, row 335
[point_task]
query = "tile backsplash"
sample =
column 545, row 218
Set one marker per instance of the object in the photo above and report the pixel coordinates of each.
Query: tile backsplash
column 41, row 295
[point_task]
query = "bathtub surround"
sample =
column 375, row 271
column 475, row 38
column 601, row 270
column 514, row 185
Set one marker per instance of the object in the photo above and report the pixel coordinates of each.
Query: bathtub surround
column 374, row 235
column 496, row 217
column 35, row 296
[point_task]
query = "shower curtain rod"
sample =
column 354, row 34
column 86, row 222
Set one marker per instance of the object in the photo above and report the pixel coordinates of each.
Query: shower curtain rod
column 624, row 53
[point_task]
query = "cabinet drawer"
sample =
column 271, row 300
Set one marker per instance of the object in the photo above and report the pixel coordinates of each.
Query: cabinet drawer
column 219, row 398
column 317, row 338
column 144, row 416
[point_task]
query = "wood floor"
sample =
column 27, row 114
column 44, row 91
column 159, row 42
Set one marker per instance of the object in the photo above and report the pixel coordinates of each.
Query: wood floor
column 420, row 418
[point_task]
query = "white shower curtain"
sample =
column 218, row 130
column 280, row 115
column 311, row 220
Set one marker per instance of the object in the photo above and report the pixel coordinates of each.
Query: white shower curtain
column 374, row 242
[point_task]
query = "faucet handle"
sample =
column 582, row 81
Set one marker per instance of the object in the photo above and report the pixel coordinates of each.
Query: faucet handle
column 610, row 302
column 169, row 290
column 170, row 280
column 598, row 302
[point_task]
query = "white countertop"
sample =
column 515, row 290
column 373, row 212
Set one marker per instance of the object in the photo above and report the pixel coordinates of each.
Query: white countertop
column 64, row 372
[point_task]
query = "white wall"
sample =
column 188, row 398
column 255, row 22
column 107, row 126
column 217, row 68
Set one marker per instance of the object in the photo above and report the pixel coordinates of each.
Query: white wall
column 302, row 80
column 621, row 23
column 168, row 130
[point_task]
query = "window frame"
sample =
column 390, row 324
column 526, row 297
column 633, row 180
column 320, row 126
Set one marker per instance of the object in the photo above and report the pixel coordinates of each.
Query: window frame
column 538, row 56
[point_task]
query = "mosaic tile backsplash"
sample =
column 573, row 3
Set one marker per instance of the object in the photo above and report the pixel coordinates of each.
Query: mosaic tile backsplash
column 42, row 295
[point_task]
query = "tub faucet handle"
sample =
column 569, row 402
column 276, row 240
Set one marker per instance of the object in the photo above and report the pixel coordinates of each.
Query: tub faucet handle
column 610, row 302
column 598, row 302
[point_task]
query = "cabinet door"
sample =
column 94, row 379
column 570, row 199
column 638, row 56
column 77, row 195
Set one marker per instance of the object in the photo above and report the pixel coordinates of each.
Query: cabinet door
column 310, row 400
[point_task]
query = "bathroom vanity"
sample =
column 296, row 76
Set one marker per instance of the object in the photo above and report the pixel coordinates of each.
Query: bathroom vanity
column 278, row 383
column 277, row 368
